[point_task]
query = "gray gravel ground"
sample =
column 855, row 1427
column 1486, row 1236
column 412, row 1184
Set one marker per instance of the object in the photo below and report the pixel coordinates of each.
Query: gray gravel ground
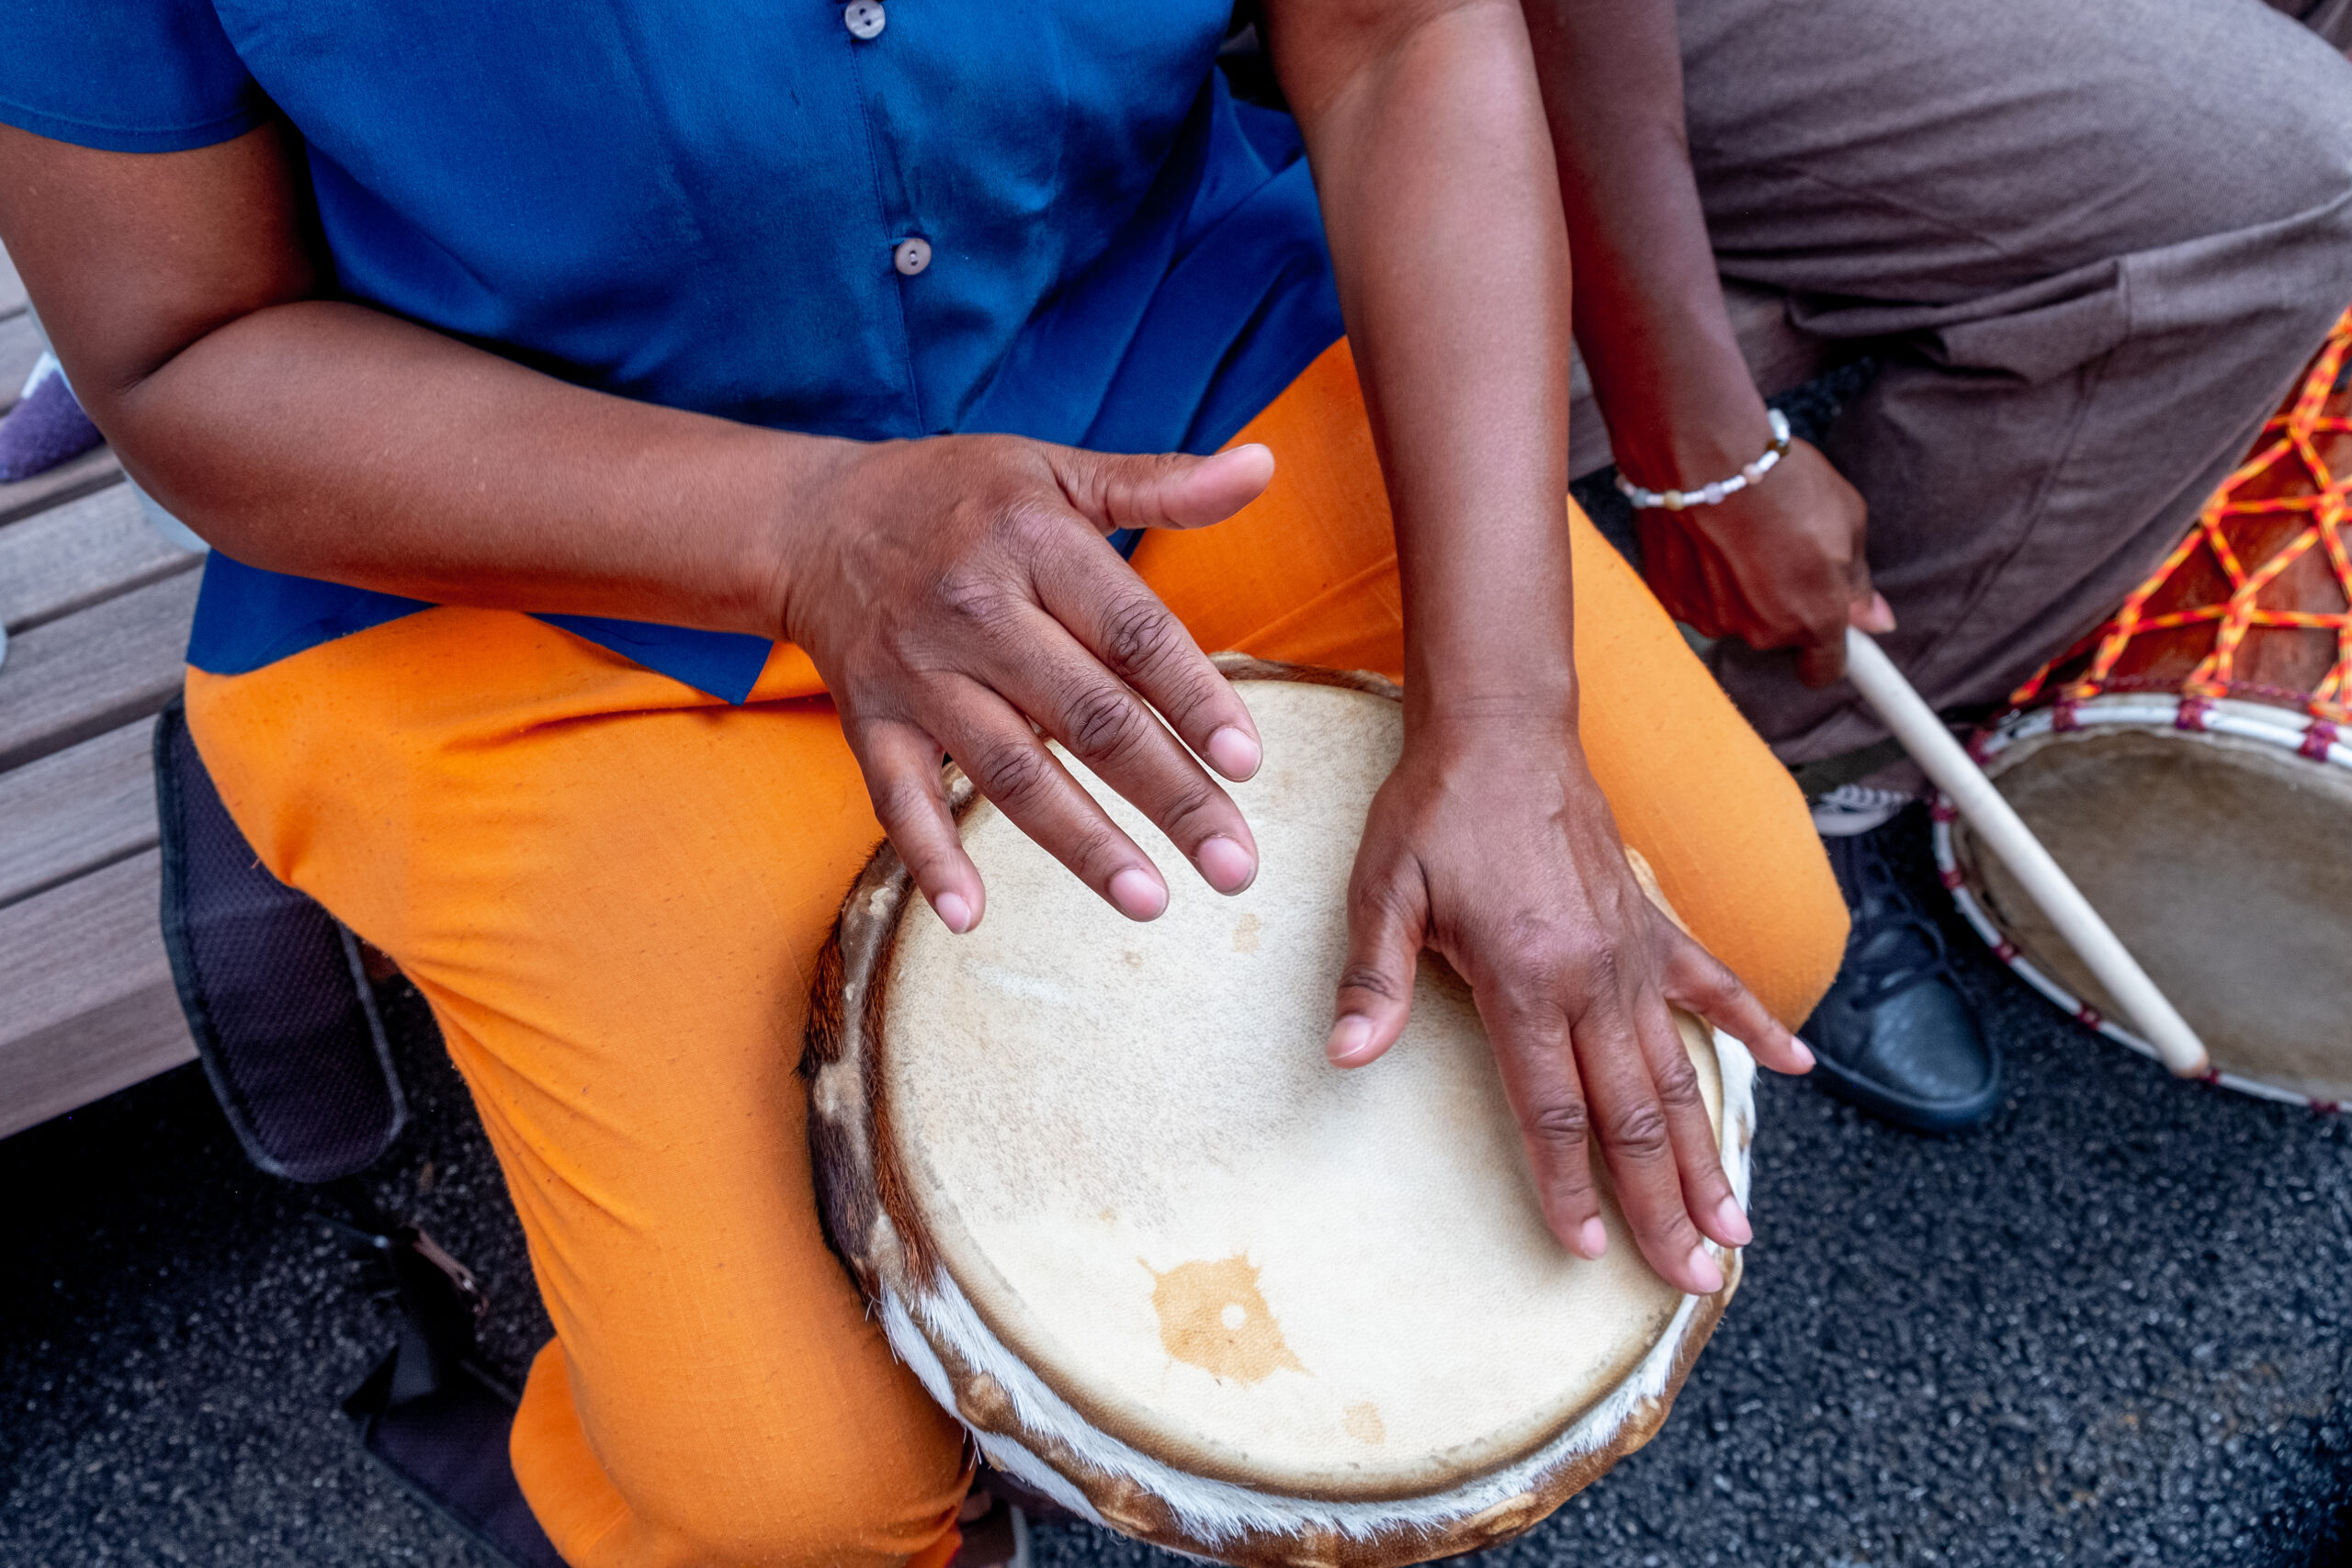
column 2108, row 1328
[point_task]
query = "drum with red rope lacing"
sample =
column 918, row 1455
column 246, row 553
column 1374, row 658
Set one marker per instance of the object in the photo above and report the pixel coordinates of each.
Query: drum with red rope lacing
column 2189, row 763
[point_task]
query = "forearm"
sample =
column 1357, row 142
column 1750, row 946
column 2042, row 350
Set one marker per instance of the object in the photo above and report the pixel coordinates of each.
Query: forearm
column 1650, row 310
column 334, row 440
column 1439, row 198
column 1490, row 840
column 331, row 441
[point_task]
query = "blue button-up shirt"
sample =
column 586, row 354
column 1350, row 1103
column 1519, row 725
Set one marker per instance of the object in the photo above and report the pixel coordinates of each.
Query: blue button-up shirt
column 699, row 204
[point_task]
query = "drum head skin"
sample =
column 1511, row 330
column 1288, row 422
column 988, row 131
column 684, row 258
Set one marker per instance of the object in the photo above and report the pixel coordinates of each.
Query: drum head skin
column 2223, row 864
column 1172, row 1266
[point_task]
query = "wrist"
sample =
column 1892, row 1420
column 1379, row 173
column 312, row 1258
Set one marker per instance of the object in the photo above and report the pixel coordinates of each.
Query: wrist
column 1713, row 491
column 1692, row 436
column 1482, row 716
column 1489, row 620
column 1680, row 404
column 800, row 485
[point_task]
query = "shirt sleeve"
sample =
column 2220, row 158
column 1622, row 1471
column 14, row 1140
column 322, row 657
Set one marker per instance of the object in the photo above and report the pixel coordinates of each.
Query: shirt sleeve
column 124, row 75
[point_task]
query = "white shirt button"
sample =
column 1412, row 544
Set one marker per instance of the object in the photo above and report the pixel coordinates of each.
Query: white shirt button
column 910, row 257
column 864, row 18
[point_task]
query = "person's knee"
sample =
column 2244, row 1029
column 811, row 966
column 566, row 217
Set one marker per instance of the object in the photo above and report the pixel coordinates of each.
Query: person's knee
column 2289, row 159
column 2293, row 271
column 2242, row 127
column 2311, row 160
column 1816, row 940
column 731, row 1467
column 779, row 1477
column 1789, row 958
column 2332, row 150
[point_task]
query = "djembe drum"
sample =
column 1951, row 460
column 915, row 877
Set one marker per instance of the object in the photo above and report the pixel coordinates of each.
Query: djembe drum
column 2187, row 763
column 1171, row 1268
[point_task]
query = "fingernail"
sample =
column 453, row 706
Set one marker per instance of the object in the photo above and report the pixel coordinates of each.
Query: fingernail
column 1233, row 753
column 1592, row 1238
column 1803, row 1054
column 1704, row 1273
column 954, row 913
column 1137, row 895
column 1734, row 1222
column 1881, row 613
column 1259, row 452
column 1226, row 866
column 1350, row 1037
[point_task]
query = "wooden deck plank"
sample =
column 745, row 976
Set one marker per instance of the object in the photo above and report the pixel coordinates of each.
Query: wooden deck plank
column 71, row 556
column 93, row 670
column 87, row 1003
column 93, row 470
column 77, row 810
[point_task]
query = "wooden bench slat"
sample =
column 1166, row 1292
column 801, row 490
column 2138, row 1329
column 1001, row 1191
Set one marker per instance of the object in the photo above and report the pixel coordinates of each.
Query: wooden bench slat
column 87, row 1003
column 93, row 470
column 20, row 347
column 74, row 556
column 69, row 814
column 93, row 670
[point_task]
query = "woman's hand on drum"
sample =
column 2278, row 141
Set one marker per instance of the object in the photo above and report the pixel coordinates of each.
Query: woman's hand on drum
column 958, row 598
column 1777, row 565
column 1491, row 843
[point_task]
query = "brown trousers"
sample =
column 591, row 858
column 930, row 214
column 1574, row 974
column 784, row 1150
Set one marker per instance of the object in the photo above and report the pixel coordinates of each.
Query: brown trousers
column 2094, row 242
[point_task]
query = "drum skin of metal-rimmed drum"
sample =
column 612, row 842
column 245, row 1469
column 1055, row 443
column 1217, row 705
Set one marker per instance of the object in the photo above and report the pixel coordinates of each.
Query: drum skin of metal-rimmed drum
column 2190, row 767
column 1171, row 1268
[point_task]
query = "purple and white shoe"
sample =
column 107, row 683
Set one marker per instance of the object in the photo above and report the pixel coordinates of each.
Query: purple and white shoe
column 46, row 427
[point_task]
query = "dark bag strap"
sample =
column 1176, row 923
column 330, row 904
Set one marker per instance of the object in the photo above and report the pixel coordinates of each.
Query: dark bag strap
column 276, row 996
column 431, row 1413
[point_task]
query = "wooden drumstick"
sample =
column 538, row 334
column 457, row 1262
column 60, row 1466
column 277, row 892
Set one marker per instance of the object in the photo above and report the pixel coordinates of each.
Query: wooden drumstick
column 1932, row 747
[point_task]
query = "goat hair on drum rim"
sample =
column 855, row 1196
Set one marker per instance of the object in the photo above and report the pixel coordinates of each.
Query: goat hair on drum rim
column 1171, row 1268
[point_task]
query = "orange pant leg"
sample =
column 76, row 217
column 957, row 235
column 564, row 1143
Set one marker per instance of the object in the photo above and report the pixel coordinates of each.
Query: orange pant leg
column 1308, row 573
column 613, row 893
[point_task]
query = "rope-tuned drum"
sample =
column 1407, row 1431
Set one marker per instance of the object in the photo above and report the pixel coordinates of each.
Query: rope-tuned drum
column 2191, row 764
column 1112, row 1206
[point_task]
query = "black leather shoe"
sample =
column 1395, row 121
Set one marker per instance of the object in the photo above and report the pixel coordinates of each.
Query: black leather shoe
column 1894, row 1035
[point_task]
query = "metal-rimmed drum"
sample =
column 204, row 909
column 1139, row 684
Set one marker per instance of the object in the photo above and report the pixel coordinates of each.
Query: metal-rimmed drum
column 2189, row 765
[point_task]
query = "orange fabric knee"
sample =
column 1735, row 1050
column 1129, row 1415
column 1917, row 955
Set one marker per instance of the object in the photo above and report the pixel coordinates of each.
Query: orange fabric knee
column 569, row 1490
column 1307, row 573
column 613, row 892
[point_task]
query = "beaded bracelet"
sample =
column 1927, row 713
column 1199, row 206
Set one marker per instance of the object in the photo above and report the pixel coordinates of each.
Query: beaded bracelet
column 1712, row 494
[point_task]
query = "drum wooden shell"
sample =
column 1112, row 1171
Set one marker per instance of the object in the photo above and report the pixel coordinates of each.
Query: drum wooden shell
column 1158, row 1491
column 2189, row 764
